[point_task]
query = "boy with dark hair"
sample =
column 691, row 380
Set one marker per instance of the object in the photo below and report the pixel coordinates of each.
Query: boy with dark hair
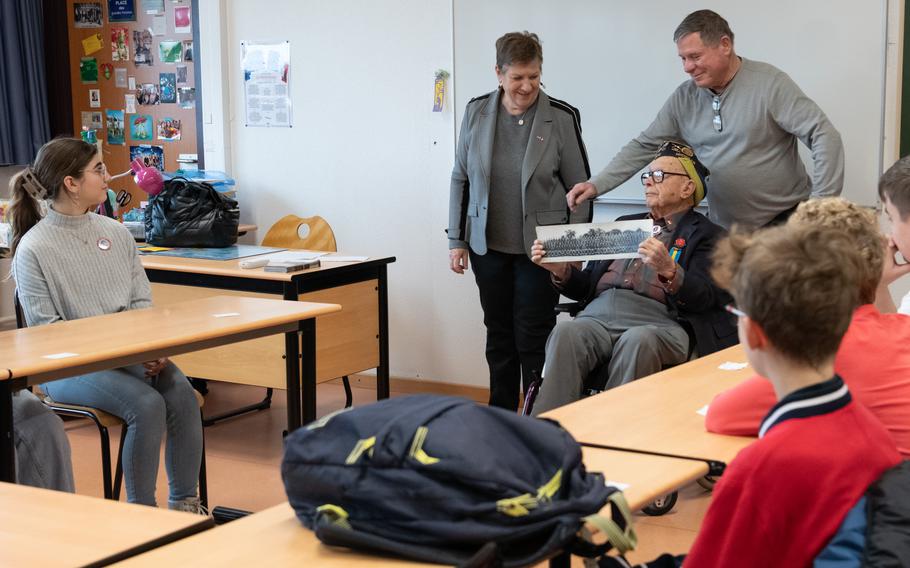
column 783, row 498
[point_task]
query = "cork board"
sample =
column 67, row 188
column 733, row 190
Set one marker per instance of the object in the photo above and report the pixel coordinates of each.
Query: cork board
column 165, row 80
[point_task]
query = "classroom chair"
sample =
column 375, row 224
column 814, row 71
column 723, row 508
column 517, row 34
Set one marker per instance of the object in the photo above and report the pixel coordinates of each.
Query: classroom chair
column 289, row 232
column 311, row 233
column 104, row 421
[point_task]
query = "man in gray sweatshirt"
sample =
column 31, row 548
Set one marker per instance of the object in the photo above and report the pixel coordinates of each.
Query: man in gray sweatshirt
column 743, row 119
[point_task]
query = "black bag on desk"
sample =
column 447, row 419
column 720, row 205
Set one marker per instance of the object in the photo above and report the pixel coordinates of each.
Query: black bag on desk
column 190, row 213
column 445, row 480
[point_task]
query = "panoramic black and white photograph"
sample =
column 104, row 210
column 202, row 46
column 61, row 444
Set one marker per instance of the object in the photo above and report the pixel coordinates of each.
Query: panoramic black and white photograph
column 593, row 241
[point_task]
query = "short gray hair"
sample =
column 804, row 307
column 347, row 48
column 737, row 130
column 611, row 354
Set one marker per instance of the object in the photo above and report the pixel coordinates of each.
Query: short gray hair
column 710, row 26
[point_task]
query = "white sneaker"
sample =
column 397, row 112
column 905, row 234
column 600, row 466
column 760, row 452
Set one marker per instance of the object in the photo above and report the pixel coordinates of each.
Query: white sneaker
column 188, row 505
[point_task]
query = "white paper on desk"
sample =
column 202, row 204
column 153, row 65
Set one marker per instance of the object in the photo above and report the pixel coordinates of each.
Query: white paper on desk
column 342, row 258
column 63, row 355
column 294, row 256
column 703, row 410
column 617, row 484
column 731, row 366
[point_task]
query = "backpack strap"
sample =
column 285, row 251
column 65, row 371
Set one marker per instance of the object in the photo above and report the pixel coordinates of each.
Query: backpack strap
column 617, row 528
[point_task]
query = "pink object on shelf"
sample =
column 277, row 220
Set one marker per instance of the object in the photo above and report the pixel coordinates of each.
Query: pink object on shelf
column 148, row 178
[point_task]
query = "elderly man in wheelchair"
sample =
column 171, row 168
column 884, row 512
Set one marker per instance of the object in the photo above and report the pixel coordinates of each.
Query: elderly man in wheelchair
column 641, row 315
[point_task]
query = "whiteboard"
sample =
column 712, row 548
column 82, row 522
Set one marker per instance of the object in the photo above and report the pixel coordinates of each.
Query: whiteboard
column 615, row 61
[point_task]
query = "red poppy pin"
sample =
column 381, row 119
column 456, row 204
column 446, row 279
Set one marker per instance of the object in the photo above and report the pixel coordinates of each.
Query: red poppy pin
column 680, row 243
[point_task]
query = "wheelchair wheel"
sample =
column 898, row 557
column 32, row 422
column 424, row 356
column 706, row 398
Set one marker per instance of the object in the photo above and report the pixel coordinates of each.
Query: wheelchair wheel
column 707, row 482
column 661, row 505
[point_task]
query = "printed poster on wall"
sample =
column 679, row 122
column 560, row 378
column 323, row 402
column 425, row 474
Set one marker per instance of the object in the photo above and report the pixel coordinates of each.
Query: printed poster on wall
column 266, row 83
column 121, row 10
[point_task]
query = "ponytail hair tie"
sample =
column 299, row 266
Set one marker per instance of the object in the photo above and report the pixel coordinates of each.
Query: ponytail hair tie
column 33, row 186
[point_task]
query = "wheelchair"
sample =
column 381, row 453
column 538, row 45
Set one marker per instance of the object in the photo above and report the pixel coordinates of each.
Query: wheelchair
column 595, row 383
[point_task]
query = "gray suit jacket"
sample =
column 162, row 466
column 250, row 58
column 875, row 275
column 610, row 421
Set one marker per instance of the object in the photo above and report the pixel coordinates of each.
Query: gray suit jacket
column 554, row 161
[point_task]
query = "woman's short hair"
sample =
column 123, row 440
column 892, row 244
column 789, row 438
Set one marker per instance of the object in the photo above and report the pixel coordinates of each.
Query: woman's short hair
column 800, row 283
column 518, row 47
column 858, row 223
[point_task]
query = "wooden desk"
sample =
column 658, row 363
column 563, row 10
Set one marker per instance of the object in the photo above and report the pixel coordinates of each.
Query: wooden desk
column 39, row 354
column 348, row 342
column 272, row 538
column 659, row 413
column 648, row 477
column 275, row 537
column 39, row 527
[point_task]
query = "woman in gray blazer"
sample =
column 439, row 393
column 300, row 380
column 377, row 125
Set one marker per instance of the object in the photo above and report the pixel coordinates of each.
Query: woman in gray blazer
column 518, row 153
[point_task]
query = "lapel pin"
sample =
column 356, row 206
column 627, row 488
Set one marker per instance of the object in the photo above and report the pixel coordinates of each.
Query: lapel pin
column 540, row 138
column 104, row 243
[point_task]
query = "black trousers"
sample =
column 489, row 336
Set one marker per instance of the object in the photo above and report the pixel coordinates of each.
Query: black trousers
column 518, row 302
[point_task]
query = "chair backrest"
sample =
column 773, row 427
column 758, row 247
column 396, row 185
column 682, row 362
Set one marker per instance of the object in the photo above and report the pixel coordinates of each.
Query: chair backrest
column 291, row 231
column 20, row 316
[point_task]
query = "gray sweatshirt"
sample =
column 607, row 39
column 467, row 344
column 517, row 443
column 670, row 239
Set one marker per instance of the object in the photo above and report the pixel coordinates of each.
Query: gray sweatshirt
column 756, row 171
column 69, row 267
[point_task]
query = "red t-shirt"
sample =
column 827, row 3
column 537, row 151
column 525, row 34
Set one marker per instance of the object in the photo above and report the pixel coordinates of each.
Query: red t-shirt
column 874, row 361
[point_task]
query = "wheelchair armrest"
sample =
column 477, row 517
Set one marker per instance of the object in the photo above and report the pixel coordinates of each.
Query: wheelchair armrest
column 571, row 308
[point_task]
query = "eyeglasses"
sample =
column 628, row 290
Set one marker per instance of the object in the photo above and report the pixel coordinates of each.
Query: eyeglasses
column 100, row 169
column 718, row 122
column 736, row 311
column 657, row 176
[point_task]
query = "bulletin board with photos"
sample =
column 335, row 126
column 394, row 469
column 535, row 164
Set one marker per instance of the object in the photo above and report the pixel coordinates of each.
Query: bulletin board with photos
column 134, row 83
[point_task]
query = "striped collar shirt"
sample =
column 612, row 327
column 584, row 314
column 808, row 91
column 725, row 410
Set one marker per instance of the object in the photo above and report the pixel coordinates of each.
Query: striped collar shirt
column 814, row 400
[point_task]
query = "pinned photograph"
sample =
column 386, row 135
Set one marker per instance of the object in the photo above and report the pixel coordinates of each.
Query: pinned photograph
column 186, row 97
column 120, row 50
column 115, row 127
column 94, row 98
column 88, row 70
column 168, row 84
column 153, row 6
column 129, row 103
column 170, row 51
column 142, row 48
column 121, row 10
column 87, row 15
column 182, row 21
column 159, row 25
column 593, row 241
column 148, row 94
column 151, row 156
column 169, row 129
column 181, row 75
column 141, row 127
column 91, row 120
column 187, row 50
column 120, row 77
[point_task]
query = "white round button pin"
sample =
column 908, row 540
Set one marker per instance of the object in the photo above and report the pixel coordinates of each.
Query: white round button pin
column 104, row 243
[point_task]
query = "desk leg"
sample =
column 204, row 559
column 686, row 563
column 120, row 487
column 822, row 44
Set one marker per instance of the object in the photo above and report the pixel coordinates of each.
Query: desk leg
column 7, row 447
column 292, row 370
column 308, row 367
column 382, row 372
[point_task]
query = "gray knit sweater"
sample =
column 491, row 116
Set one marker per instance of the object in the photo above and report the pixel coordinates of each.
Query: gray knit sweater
column 756, row 171
column 63, row 271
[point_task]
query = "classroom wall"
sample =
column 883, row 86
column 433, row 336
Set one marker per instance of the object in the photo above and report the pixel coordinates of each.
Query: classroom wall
column 365, row 152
